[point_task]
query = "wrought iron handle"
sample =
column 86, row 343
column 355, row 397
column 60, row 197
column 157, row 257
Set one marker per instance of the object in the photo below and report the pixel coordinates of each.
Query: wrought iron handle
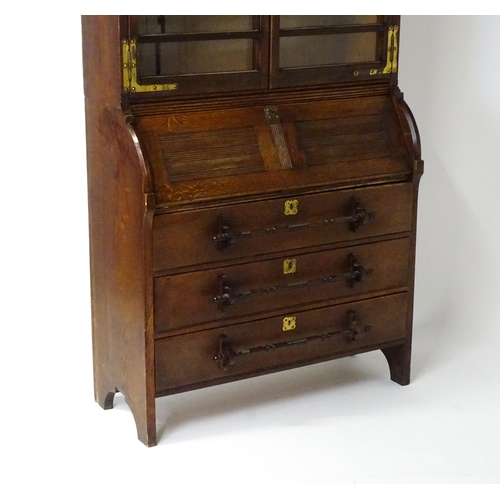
column 227, row 354
column 226, row 237
column 228, row 296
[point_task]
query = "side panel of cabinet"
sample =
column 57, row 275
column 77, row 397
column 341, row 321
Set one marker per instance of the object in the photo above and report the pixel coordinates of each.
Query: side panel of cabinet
column 120, row 225
column 102, row 58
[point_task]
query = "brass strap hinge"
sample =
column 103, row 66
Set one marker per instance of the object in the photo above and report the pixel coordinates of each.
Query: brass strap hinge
column 126, row 66
column 129, row 63
column 392, row 50
column 392, row 55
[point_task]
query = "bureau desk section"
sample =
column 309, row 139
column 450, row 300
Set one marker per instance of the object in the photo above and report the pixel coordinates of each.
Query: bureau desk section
column 248, row 220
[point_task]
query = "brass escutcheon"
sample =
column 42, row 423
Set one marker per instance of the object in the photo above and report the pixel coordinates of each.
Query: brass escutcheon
column 291, row 207
column 289, row 266
column 289, row 323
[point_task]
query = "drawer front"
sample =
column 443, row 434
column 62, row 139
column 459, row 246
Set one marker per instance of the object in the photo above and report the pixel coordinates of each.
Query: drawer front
column 243, row 230
column 294, row 338
column 189, row 299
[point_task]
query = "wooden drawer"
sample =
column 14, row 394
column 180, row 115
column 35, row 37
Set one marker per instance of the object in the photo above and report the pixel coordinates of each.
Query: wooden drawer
column 187, row 300
column 274, row 343
column 187, row 238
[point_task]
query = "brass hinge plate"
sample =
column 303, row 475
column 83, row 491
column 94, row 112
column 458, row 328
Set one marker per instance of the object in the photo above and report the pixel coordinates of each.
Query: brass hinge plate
column 392, row 50
column 129, row 68
column 392, row 55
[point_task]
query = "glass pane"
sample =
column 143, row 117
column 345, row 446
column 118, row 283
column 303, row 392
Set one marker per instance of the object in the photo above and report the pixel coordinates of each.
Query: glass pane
column 180, row 58
column 311, row 21
column 193, row 24
column 320, row 50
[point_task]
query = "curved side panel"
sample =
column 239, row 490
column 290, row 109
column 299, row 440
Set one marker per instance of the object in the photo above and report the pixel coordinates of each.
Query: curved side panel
column 408, row 125
column 120, row 223
column 147, row 176
column 399, row 357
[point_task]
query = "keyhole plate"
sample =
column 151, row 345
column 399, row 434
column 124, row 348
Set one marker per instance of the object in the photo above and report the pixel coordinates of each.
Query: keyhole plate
column 289, row 323
column 289, row 266
column 291, row 207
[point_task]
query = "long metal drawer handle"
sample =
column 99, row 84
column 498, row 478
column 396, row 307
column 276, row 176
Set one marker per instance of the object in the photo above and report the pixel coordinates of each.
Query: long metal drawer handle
column 227, row 237
column 227, row 354
column 228, row 296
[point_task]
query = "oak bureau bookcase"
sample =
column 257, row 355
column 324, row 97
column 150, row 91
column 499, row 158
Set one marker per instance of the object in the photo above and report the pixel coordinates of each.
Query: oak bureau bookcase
column 252, row 199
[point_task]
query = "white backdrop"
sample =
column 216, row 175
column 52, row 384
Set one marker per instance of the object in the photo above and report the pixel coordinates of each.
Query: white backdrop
column 338, row 422
column 450, row 75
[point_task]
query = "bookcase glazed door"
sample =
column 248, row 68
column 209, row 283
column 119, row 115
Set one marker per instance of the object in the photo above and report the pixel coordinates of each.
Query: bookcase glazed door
column 179, row 55
column 318, row 50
